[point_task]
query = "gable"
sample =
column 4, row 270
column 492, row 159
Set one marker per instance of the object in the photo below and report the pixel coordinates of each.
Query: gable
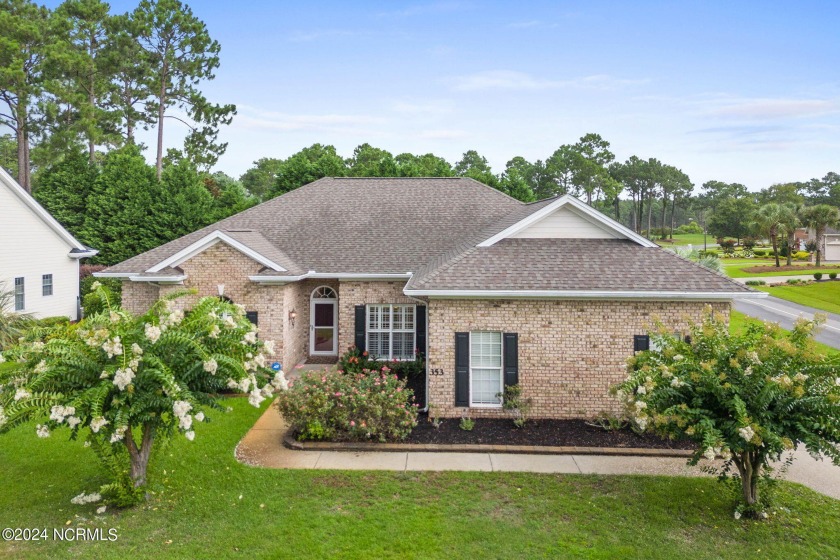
column 226, row 238
column 566, row 217
column 28, row 218
column 566, row 223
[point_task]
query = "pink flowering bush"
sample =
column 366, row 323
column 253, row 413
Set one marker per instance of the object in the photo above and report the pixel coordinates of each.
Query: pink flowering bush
column 372, row 405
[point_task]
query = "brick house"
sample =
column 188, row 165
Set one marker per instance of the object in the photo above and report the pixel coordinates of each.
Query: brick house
column 552, row 295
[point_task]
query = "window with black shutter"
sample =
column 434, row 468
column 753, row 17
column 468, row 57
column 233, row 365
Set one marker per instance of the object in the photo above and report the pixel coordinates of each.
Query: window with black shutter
column 641, row 342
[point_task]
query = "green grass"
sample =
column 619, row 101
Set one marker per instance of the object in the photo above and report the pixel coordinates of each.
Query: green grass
column 738, row 322
column 196, row 510
column 694, row 239
column 819, row 295
column 735, row 268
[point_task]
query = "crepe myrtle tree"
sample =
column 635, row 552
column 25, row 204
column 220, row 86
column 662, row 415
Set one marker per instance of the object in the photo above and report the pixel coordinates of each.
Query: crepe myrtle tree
column 746, row 397
column 125, row 383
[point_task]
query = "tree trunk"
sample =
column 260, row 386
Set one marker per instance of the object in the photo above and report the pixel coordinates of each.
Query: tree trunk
column 775, row 248
column 140, row 457
column 820, row 235
column 617, row 210
column 650, row 215
column 673, row 213
column 790, row 241
column 20, row 137
column 748, row 470
column 161, row 110
column 92, row 94
column 664, row 209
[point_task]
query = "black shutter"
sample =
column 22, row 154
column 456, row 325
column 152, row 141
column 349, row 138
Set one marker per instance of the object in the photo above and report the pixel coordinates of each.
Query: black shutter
column 641, row 342
column 359, row 340
column 511, row 358
column 252, row 316
column 462, row 369
column 420, row 327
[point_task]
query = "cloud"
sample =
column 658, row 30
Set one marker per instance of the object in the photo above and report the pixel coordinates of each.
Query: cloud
column 742, row 130
column 430, row 107
column 320, row 34
column 513, row 80
column 760, row 109
column 534, row 23
column 425, row 9
column 255, row 118
column 442, row 134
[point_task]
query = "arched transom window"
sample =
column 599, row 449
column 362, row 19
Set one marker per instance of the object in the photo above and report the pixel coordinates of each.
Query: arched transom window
column 324, row 292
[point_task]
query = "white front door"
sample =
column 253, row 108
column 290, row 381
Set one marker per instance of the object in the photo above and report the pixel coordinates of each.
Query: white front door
column 323, row 327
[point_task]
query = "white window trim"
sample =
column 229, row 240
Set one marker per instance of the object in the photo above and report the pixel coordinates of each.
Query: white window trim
column 22, row 292
column 334, row 302
column 501, row 372
column 391, row 329
column 52, row 285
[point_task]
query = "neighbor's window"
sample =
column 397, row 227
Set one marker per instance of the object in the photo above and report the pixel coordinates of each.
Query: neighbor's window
column 20, row 295
column 390, row 332
column 47, row 285
column 486, row 380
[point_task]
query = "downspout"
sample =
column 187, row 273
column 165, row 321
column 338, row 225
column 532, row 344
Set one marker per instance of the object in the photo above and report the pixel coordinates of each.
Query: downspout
column 426, row 365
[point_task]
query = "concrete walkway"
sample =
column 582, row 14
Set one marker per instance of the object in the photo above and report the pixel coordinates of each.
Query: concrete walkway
column 262, row 447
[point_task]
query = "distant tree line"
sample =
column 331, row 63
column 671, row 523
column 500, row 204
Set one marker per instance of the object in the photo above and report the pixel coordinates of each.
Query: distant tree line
column 79, row 75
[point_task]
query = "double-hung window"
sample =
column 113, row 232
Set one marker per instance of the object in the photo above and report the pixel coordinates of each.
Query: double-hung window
column 20, row 294
column 47, row 284
column 391, row 331
column 486, row 380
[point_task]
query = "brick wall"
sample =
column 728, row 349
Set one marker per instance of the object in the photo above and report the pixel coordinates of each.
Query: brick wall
column 353, row 293
column 570, row 352
column 220, row 264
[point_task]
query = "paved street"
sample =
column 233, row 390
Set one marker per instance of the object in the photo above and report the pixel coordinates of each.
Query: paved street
column 786, row 313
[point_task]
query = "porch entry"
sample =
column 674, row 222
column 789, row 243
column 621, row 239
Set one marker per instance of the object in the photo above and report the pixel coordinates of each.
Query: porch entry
column 323, row 322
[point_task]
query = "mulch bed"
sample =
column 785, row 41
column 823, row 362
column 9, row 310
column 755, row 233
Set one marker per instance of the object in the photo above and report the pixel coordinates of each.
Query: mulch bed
column 785, row 268
column 573, row 433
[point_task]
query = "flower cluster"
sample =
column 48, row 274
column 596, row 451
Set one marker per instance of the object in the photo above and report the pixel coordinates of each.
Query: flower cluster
column 371, row 405
column 83, row 499
column 61, row 413
column 181, row 410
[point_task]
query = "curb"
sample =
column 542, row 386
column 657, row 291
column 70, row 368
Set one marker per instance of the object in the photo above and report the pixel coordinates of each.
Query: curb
column 291, row 443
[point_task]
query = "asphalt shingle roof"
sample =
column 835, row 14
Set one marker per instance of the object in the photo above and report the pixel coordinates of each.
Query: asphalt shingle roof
column 571, row 264
column 431, row 226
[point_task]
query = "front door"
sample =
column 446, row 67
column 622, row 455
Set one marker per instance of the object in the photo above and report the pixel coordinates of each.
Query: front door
column 323, row 339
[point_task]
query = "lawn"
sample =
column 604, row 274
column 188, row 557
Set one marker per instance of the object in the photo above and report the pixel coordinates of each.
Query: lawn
column 205, row 503
column 694, row 239
column 820, row 295
column 735, row 268
column 738, row 321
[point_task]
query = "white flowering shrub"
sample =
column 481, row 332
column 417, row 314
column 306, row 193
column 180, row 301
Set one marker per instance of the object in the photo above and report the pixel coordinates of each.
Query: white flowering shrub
column 126, row 382
column 745, row 397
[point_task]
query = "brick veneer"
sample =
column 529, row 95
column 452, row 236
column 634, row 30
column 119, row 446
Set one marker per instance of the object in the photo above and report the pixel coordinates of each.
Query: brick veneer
column 570, row 352
column 353, row 293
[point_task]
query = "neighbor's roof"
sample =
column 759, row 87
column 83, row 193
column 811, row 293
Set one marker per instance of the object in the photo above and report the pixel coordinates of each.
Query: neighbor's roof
column 361, row 225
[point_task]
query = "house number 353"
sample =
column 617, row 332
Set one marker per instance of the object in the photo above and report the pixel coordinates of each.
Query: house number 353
column 436, row 371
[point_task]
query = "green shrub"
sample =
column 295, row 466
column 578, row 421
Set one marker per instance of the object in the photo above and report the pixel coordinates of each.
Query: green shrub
column 832, row 275
column 748, row 243
column 818, row 276
column 514, row 402
column 756, row 283
column 708, row 253
column 793, row 281
column 801, row 255
column 759, row 252
column 337, row 406
column 353, row 362
column 691, row 227
column 91, row 303
column 467, row 424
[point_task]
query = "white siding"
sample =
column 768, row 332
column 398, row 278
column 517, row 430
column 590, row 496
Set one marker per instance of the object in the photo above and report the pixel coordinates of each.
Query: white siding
column 565, row 223
column 30, row 248
column 832, row 248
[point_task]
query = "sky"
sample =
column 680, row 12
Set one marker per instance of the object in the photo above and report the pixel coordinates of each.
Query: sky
column 742, row 91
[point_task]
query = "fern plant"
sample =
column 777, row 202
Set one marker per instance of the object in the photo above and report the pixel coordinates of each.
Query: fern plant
column 127, row 383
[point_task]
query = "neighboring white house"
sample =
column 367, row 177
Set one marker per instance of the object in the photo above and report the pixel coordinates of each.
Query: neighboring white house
column 831, row 244
column 39, row 259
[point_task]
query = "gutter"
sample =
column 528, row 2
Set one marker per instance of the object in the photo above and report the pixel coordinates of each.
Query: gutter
column 588, row 294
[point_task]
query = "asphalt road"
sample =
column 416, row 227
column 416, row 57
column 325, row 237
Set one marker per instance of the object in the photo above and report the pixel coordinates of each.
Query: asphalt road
column 786, row 313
